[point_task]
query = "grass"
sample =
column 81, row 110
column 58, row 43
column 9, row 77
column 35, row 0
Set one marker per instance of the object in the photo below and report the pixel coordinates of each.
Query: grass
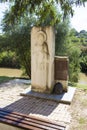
column 83, row 76
column 10, row 72
column 82, row 120
column 4, row 79
column 7, row 74
column 82, row 82
column 82, row 86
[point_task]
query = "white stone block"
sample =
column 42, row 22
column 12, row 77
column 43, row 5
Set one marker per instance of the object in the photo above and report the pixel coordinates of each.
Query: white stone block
column 42, row 58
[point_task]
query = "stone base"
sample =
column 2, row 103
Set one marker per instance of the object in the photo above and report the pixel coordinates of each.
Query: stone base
column 65, row 97
column 42, row 90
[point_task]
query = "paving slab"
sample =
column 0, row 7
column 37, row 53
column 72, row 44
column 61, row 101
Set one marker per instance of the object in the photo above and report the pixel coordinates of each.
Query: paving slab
column 65, row 97
column 23, row 81
column 10, row 99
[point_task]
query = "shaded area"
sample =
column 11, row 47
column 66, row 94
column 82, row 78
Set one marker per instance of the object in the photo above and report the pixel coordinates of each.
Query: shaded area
column 27, row 122
column 4, row 79
column 32, row 106
column 65, row 97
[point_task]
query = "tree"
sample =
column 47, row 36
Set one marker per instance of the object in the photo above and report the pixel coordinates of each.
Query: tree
column 45, row 13
column 47, row 9
column 73, row 32
column 74, row 59
column 19, row 41
column 83, row 58
column 80, row 39
column 8, row 57
column 61, row 37
column 67, row 44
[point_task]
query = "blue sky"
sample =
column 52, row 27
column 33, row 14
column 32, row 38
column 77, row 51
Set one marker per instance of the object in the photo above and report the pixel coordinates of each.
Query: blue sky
column 78, row 21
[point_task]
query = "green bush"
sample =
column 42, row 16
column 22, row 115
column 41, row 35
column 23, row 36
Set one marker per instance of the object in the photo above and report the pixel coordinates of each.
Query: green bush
column 65, row 47
column 9, row 59
column 83, row 61
column 74, row 63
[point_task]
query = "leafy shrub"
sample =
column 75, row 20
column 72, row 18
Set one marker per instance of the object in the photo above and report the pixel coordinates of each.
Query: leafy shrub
column 9, row 59
column 83, row 58
column 65, row 47
column 74, row 63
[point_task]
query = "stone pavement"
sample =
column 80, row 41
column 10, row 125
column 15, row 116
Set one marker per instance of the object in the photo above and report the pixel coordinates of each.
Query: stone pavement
column 65, row 97
column 10, row 99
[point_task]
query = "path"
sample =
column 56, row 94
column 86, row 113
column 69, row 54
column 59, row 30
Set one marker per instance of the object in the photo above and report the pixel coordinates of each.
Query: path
column 10, row 99
column 82, row 78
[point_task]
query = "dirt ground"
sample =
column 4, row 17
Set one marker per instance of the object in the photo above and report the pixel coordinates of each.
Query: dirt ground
column 78, row 107
column 78, row 110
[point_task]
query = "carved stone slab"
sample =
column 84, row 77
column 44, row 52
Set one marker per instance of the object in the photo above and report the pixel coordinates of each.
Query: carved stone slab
column 42, row 58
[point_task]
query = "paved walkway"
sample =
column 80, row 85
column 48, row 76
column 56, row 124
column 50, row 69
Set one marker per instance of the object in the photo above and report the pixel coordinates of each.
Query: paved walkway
column 10, row 99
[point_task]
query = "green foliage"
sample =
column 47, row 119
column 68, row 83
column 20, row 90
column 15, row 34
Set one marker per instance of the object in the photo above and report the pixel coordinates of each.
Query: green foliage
column 22, row 47
column 19, row 39
column 73, row 32
column 62, row 30
column 82, row 36
column 74, row 66
column 42, row 9
column 74, row 37
column 82, row 120
column 82, row 86
column 79, row 40
column 9, row 59
column 83, row 58
column 67, row 44
column 3, row 45
column 48, row 14
column 24, row 14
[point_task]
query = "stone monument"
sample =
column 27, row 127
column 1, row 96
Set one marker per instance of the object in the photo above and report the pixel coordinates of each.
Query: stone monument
column 42, row 59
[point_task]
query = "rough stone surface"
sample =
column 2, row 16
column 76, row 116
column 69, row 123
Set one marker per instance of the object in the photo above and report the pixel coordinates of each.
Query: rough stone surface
column 65, row 97
column 42, row 58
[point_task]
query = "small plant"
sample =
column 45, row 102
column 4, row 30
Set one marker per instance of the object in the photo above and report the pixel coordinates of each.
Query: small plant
column 82, row 120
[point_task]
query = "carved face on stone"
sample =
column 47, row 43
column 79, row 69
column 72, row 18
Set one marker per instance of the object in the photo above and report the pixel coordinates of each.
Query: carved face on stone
column 41, row 38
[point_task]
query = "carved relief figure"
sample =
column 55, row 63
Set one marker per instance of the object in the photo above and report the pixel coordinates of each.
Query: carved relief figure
column 42, row 58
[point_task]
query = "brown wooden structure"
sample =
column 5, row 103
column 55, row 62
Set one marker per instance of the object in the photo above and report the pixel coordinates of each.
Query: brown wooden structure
column 61, row 68
column 27, row 122
column 61, row 73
